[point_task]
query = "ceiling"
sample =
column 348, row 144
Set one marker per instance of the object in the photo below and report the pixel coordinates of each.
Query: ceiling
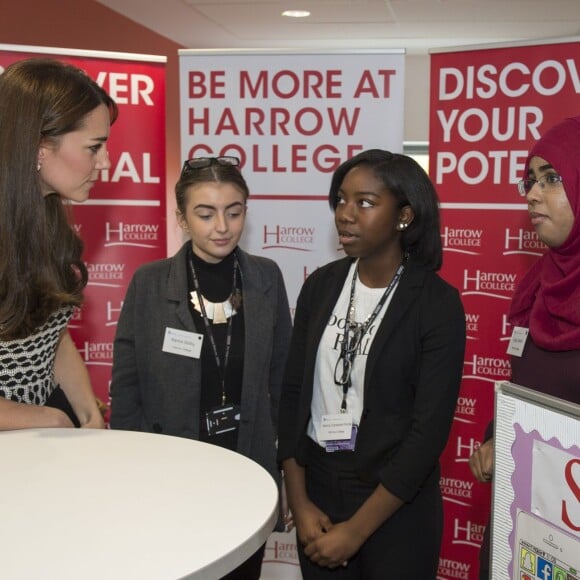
column 414, row 25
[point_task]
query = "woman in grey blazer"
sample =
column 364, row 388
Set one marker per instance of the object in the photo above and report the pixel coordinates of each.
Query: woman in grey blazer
column 203, row 337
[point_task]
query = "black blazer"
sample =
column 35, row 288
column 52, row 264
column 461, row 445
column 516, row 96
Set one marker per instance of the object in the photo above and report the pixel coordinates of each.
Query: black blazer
column 412, row 377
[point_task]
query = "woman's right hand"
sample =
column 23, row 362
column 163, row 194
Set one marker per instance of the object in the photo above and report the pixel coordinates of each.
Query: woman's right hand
column 311, row 523
column 15, row 415
column 56, row 418
column 481, row 462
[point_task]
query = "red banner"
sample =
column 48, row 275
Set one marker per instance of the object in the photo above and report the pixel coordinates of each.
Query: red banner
column 123, row 224
column 488, row 106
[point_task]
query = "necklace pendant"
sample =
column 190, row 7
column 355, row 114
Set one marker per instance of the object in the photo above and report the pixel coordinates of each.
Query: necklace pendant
column 219, row 314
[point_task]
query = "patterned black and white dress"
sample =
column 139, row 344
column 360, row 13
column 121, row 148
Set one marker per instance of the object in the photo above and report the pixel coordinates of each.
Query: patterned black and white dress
column 27, row 364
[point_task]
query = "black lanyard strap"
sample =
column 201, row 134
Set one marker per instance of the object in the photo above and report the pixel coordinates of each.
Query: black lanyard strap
column 221, row 367
column 354, row 332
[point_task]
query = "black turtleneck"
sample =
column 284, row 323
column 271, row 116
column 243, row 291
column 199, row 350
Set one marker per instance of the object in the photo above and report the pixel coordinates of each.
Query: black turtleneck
column 215, row 282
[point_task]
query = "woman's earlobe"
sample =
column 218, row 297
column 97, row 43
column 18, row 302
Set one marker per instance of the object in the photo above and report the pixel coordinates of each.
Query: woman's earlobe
column 40, row 158
column 405, row 217
column 181, row 222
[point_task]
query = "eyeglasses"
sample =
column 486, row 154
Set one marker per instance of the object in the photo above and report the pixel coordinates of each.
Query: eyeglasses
column 547, row 182
column 202, row 162
column 348, row 351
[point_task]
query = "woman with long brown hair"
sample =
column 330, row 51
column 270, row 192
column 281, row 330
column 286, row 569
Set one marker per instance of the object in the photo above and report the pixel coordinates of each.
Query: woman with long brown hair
column 54, row 125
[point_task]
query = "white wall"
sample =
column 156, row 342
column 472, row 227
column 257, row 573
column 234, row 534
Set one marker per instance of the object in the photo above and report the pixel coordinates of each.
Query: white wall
column 417, row 71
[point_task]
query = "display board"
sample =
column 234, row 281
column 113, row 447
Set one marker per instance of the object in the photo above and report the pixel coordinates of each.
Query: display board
column 536, row 490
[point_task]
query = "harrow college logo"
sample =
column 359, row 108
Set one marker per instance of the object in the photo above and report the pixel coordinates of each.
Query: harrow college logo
column 112, row 312
column 467, row 533
column 456, row 491
column 97, row 353
column 298, row 238
column 110, row 275
column 461, row 241
column 464, row 448
column 465, row 409
column 454, row 569
column 471, row 325
column 493, row 284
column 480, row 367
column 281, row 552
column 523, row 242
column 135, row 235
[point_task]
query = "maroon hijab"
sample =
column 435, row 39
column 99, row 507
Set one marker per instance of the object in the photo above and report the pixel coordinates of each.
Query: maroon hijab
column 547, row 300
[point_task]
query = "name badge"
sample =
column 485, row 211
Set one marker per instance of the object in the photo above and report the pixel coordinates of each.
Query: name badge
column 222, row 419
column 518, row 341
column 335, row 427
column 182, row 342
column 342, row 444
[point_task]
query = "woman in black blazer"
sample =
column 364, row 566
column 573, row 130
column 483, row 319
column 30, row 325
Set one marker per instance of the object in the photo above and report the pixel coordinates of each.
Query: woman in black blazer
column 372, row 380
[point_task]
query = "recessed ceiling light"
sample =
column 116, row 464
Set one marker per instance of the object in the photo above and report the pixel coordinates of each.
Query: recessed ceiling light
column 296, row 13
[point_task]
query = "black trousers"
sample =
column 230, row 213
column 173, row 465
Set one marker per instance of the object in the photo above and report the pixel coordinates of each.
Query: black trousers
column 250, row 569
column 405, row 547
column 484, row 563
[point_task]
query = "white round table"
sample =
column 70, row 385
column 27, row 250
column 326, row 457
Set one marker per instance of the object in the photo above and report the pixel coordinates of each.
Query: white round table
column 83, row 504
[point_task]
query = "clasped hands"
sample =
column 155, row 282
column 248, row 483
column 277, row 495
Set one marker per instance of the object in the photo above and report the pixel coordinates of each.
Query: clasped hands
column 326, row 544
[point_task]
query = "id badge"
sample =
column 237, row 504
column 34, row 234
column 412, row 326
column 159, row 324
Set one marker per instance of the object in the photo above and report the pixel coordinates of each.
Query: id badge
column 336, row 426
column 222, row 419
column 518, row 341
column 338, row 432
column 342, row 444
column 182, row 342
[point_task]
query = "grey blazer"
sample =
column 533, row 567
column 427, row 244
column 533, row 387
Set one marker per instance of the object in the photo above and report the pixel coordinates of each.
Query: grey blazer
column 159, row 392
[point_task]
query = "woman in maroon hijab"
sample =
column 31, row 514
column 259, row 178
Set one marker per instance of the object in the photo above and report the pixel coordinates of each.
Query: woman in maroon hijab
column 547, row 300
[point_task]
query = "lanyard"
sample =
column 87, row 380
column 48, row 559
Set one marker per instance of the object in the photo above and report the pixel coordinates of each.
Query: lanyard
column 208, row 329
column 354, row 332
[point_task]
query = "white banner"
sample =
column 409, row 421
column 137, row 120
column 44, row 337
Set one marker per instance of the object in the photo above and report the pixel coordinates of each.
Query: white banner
column 292, row 118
